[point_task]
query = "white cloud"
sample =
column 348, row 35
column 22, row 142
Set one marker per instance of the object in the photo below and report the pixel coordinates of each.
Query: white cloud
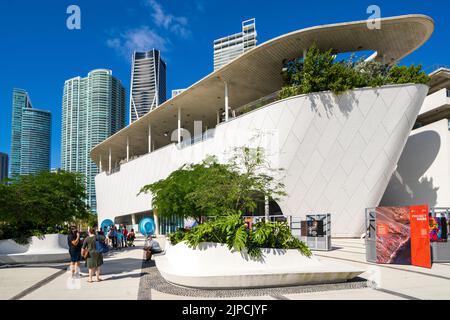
column 139, row 39
column 146, row 38
column 177, row 25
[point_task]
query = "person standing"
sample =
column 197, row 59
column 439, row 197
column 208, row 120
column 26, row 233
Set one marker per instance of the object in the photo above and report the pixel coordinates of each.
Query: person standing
column 125, row 236
column 111, row 236
column 94, row 259
column 115, row 237
column 119, row 236
column 74, row 242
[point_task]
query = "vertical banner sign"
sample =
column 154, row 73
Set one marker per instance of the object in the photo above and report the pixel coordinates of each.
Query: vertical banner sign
column 420, row 240
column 393, row 235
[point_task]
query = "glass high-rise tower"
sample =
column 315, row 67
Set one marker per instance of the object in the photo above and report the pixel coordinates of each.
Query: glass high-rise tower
column 93, row 109
column 229, row 48
column 3, row 166
column 148, row 83
column 30, row 136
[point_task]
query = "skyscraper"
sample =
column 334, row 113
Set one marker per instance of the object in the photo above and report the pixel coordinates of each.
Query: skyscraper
column 148, row 83
column 229, row 48
column 177, row 92
column 93, row 109
column 30, row 138
column 3, row 166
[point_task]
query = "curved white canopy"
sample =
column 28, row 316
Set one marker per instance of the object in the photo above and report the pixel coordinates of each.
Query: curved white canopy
column 257, row 73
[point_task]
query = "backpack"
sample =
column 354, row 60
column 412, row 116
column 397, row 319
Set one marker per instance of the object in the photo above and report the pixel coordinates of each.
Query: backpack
column 101, row 246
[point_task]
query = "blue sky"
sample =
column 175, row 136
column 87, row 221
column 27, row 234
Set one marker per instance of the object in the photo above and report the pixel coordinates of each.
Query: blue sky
column 38, row 53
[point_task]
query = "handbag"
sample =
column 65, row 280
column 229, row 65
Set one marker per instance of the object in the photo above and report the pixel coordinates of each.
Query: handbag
column 101, row 246
column 85, row 253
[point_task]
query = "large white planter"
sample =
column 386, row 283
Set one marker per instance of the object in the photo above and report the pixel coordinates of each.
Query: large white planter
column 51, row 248
column 213, row 265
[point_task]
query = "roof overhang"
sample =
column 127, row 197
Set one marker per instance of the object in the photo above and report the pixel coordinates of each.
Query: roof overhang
column 257, row 73
column 440, row 79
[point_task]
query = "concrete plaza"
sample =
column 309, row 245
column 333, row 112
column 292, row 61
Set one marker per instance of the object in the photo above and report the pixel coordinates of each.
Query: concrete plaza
column 127, row 277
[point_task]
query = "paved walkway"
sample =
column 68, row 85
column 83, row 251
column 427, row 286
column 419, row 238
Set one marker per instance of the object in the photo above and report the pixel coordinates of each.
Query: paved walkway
column 121, row 273
column 126, row 279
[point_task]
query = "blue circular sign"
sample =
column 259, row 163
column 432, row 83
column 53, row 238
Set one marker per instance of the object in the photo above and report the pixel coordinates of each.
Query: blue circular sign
column 106, row 223
column 147, row 226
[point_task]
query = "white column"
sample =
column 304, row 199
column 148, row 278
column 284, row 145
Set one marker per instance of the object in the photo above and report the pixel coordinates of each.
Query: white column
column 149, row 138
column 218, row 116
column 133, row 220
column 100, row 164
column 155, row 218
column 179, row 124
column 226, row 101
column 110, row 160
column 128, row 149
column 266, row 208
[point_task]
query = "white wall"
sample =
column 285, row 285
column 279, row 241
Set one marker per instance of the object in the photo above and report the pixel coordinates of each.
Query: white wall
column 435, row 100
column 423, row 173
column 338, row 153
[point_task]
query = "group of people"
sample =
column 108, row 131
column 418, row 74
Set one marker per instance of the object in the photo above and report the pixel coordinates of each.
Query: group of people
column 87, row 248
column 119, row 238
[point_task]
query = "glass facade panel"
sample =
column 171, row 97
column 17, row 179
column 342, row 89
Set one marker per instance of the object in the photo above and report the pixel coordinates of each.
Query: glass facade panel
column 93, row 108
column 30, row 136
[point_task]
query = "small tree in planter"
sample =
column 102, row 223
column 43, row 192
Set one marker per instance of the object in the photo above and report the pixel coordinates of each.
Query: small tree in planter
column 213, row 189
column 224, row 191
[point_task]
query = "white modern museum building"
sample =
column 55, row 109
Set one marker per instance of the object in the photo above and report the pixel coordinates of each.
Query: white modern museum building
column 423, row 170
column 338, row 152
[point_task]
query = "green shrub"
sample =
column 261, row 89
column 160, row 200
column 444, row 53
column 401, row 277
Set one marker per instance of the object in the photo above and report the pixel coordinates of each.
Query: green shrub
column 411, row 74
column 177, row 236
column 232, row 231
column 320, row 71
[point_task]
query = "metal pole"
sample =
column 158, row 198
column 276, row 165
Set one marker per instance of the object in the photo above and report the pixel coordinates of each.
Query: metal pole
column 149, row 138
column 110, row 160
column 128, row 149
column 226, row 101
column 179, row 124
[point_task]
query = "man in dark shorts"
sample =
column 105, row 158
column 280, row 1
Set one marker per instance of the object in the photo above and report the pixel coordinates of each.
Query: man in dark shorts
column 75, row 244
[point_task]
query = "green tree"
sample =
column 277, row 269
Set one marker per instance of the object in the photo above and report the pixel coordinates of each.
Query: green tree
column 40, row 204
column 172, row 197
column 213, row 189
column 411, row 74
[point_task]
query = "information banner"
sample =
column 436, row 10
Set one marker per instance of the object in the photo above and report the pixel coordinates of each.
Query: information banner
column 393, row 235
column 402, row 235
column 420, row 240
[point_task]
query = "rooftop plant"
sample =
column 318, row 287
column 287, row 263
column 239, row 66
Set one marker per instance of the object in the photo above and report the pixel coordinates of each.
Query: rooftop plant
column 320, row 71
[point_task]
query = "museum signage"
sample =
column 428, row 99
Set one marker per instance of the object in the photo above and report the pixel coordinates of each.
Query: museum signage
column 402, row 236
